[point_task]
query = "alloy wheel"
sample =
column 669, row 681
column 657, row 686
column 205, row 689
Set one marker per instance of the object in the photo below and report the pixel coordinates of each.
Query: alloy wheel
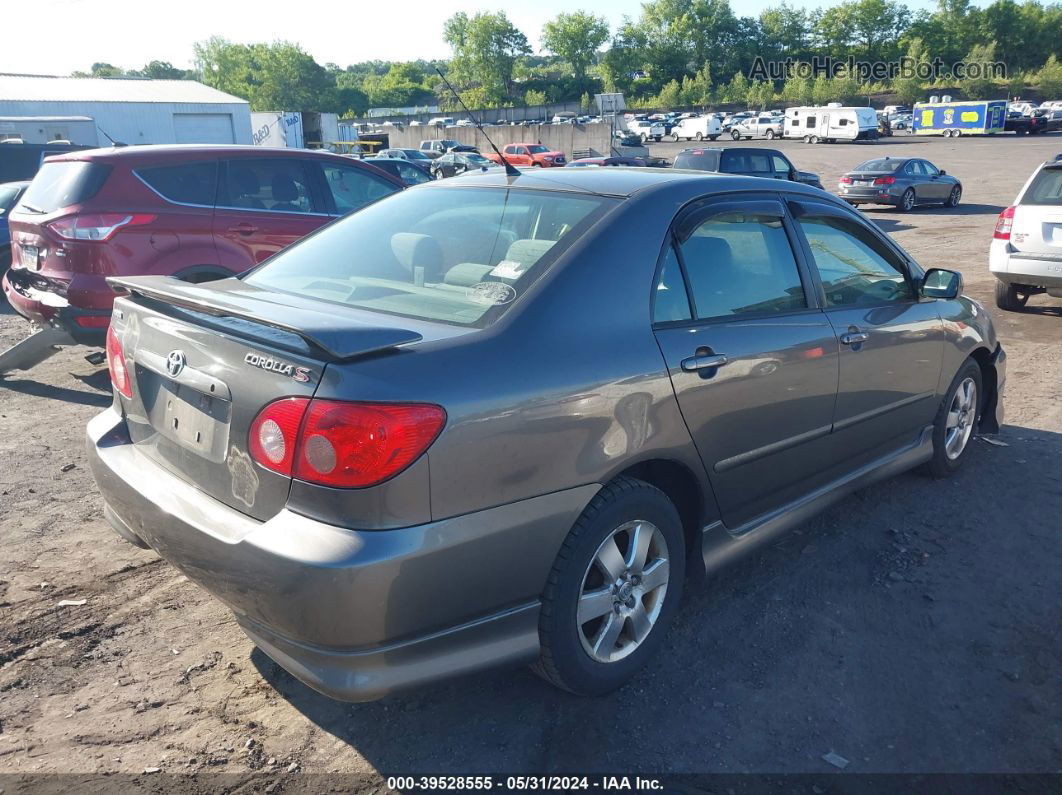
column 962, row 415
column 623, row 591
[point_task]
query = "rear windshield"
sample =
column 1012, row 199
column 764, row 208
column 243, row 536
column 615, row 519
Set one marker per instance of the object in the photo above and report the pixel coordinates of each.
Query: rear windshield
column 881, row 164
column 700, row 160
column 1046, row 188
column 454, row 255
column 62, row 184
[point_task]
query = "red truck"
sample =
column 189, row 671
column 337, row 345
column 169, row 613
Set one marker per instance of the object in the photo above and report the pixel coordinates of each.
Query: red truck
column 528, row 155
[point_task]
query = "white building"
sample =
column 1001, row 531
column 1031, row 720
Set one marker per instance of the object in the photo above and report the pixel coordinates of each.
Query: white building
column 127, row 110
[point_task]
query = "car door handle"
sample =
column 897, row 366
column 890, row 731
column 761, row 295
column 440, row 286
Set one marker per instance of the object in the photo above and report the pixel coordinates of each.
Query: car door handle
column 854, row 337
column 695, row 363
column 244, row 229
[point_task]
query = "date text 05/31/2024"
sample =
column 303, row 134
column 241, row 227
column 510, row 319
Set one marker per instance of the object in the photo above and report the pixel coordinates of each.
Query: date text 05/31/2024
column 528, row 783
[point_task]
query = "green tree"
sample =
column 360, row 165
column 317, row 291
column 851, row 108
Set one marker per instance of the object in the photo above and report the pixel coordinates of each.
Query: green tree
column 533, row 97
column 979, row 85
column 485, row 47
column 908, row 88
column 1049, row 79
column 822, row 90
column 277, row 76
column 576, row 38
column 670, row 96
column 737, row 90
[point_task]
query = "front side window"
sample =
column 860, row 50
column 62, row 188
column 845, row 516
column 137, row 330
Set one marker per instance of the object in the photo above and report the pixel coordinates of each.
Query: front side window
column 276, row 184
column 353, row 188
column 742, row 263
column 929, row 169
column 855, row 267
column 781, row 166
column 457, row 255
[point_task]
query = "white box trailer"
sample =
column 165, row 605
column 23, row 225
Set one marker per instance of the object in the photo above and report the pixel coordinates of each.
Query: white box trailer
column 294, row 130
column 830, row 123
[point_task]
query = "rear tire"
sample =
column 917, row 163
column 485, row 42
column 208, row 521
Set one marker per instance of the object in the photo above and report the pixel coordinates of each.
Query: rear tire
column 770, row 135
column 1010, row 297
column 624, row 600
column 699, row 137
column 956, row 423
column 735, row 135
column 907, row 201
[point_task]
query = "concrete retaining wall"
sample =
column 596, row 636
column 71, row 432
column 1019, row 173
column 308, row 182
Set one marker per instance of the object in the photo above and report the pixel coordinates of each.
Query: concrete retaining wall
column 567, row 138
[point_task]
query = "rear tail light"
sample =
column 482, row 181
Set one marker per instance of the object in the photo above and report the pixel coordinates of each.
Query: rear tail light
column 1004, row 224
column 846, row 180
column 92, row 321
column 97, row 227
column 885, row 181
column 340, row 444
column 116, row 364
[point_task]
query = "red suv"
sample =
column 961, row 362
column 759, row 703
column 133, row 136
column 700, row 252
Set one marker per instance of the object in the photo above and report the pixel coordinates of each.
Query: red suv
column 194, row 212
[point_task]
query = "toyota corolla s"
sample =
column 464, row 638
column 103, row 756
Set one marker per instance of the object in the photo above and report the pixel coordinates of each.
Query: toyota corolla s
column 498, row 420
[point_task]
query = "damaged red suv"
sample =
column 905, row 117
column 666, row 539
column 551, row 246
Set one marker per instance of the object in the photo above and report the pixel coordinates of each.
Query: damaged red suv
column 195, row 212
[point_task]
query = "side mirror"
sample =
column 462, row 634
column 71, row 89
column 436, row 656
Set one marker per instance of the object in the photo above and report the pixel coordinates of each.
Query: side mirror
column 793, row 175
column 943, row 172
column 940, row 283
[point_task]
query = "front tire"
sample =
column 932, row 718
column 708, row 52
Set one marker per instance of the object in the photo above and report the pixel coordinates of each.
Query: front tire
column 956, row 421
column 1010, row 297
column 954, row 196
column 613, row 590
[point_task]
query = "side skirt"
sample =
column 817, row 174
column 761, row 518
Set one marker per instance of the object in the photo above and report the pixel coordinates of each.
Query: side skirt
column 721, row 545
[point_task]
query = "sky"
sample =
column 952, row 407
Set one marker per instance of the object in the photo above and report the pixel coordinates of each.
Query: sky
column 77, row 33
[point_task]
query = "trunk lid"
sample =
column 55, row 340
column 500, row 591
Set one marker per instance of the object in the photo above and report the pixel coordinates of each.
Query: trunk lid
column 205, row 359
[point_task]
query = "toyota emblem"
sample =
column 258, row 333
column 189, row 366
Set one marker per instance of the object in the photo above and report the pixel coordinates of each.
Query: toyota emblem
column 175, row 363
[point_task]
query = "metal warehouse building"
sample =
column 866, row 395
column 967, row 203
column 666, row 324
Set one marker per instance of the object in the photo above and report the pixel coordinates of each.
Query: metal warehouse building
column 97, row 111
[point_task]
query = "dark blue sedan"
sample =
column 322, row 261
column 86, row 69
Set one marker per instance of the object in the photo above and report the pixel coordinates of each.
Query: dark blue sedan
column 408, row 171
column 10, row 193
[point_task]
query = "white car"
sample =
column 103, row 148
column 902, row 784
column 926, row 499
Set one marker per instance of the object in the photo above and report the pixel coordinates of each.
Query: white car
column 769, row 127
column 646, row 129
column 1026, row 251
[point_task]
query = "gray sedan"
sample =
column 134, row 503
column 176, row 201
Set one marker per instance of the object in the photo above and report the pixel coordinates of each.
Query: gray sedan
column 496, row 420
column 901, row 181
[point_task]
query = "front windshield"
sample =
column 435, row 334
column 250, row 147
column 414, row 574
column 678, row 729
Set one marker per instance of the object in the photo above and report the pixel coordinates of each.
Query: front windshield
column 455, row 255
column 880, row 164
column 535, row 150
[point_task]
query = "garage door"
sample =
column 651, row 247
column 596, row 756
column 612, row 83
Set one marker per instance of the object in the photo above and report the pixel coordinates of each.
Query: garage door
column 203, row 128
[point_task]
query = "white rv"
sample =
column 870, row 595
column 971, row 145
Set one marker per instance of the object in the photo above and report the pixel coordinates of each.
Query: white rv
column 830, row 123
column 697, row 128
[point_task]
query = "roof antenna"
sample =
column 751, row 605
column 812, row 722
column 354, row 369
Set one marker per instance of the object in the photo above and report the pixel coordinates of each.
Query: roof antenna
column 510, row 170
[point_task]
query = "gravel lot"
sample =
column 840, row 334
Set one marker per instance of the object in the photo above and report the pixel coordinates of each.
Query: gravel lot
column 915, row 627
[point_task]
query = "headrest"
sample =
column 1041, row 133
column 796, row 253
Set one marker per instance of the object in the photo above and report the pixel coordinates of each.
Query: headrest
column 465, row 274
column 417, row 251
column 284, row 188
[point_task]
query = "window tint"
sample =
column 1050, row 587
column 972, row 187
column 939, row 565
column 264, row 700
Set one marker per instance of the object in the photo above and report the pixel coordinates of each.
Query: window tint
column 670, row 302
column 856, row 268
column 280, row 185
column 914, row 168
column 188, row 183
column 352, row 188
column 411, row 174
column 1046, row 188
column 741, row 263
column 62, row 184
column 745, row 161
column 8, row 194
column 881, row 164
column 781, row 165
column 929, row 168
column 809, row 121
column 842, row 122
column 698, row 159
column 451, row 254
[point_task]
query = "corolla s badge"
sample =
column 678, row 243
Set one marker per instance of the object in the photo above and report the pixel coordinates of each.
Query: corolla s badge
column 260, row 360
column 175, row 363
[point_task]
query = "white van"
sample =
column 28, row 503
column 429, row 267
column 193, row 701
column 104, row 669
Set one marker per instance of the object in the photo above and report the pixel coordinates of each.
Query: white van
column 442, row 121
column 830, row 123
column 697, row 128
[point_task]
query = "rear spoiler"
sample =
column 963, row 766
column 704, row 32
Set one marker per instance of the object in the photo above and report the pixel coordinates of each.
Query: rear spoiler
column 339, row 332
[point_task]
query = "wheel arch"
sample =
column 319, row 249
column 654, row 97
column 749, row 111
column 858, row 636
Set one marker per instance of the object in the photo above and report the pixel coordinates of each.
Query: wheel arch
column 988, row 422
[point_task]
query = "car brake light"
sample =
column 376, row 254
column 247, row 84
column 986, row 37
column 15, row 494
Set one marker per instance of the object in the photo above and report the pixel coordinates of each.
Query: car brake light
column 1004, row 224
column 846, row 180
column 885, row 181
column 93, row 321
column 116, row 364
column 341, row 444
column 97, row 227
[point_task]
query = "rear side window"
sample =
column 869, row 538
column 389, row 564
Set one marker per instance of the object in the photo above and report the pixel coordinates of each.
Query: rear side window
column 280, row 185
column 64, row 183
column 1046, row 188
column 741, row 263
column 187, row 183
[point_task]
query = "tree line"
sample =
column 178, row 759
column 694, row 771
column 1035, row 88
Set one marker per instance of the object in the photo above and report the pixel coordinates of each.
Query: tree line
column 676, row 53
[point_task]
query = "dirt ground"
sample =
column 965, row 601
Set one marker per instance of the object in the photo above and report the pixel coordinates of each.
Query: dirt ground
column 915, row 627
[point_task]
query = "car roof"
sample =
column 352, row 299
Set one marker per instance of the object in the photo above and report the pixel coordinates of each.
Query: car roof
column 626, row 182
column 190, row 151
column 17, row 183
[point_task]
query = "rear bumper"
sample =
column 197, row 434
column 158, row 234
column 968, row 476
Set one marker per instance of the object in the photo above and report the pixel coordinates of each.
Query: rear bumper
column 1017, row 267
column 46, row 301
column 353, row 614
column 868, row 196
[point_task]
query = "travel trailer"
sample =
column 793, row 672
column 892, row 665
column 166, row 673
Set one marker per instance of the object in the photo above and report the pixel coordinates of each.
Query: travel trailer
column 830, row 123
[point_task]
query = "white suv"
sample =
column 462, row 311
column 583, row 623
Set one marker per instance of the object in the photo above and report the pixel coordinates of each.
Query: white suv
column 1026, row 251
